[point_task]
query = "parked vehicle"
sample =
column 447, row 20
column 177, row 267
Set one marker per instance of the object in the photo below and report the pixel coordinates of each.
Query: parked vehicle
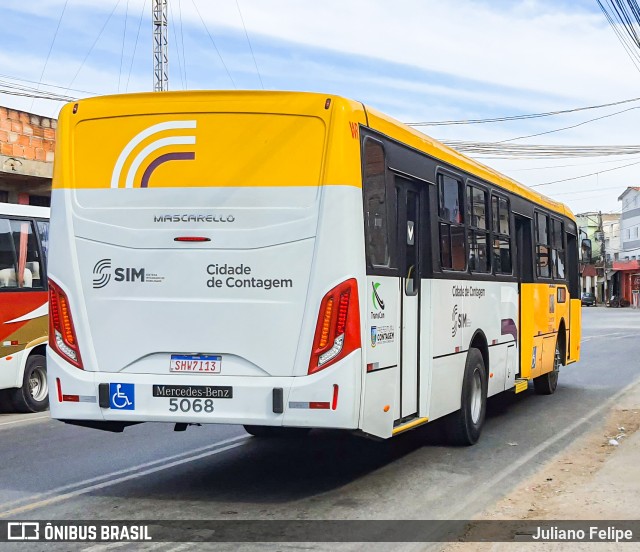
column 24, row 326
column 616, row 301
column 588, row 300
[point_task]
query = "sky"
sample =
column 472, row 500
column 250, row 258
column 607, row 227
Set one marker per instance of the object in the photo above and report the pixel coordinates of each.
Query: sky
column 416, row 60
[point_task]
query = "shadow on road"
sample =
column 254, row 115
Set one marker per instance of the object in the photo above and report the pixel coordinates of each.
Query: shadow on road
column 271, row 471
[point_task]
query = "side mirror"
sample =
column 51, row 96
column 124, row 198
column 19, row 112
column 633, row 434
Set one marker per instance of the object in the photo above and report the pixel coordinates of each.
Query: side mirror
column 586, row 250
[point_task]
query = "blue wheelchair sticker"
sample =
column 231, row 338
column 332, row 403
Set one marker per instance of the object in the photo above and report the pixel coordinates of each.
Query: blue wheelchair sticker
column 122, row 396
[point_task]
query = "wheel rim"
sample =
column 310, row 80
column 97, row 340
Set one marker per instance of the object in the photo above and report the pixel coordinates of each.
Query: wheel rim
column 38, row 384
column 476, row 397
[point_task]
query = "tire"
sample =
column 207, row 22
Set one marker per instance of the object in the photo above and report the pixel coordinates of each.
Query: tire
column 33, row 396
column 276, row 432
column 546, row 384
column 465, row 425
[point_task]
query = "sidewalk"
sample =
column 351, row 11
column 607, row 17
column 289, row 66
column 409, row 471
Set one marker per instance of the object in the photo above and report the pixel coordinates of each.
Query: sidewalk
column 594, row 479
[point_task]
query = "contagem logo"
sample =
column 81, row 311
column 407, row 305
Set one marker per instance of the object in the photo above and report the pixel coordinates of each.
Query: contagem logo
column 101, row 273
column 148, row 153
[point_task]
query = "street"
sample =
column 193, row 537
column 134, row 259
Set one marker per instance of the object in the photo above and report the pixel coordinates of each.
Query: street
column 49, row 470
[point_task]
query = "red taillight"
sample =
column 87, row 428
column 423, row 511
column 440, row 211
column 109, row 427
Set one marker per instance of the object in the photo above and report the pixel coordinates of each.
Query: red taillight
column 62, row 334
column 338, row 327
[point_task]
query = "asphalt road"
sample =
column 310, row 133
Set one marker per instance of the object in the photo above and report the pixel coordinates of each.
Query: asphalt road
column 49, row 470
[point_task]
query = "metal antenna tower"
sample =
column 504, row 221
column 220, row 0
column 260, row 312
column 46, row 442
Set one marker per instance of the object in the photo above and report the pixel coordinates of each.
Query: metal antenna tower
column 160, row 46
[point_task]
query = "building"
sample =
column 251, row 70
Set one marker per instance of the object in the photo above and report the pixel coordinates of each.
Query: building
column 27, row 143
column 596, row 274
column 628, row 264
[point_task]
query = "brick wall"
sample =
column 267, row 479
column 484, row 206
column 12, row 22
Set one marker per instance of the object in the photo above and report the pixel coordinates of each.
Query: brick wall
column 26, row 136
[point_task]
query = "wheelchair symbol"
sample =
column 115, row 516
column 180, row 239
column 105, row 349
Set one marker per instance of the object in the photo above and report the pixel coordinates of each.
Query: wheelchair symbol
column 122, row 396
column 122, row 399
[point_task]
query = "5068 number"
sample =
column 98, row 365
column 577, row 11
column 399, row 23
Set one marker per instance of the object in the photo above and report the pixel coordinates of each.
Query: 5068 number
column 191, row 405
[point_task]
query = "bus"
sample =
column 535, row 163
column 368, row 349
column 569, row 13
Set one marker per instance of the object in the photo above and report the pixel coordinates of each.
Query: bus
column 24, row 326
column 288, row 261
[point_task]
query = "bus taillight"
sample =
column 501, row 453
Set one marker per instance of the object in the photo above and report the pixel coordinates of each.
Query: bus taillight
column 338, row 327
column 62, row 334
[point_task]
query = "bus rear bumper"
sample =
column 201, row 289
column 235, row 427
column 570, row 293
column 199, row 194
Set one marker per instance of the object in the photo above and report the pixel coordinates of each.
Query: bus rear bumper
column 327, row 399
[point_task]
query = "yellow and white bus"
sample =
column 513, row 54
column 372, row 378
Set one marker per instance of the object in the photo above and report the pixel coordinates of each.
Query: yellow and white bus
column 290, row 261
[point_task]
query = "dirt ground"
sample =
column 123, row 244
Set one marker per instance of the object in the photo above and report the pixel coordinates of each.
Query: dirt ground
column 594, row 479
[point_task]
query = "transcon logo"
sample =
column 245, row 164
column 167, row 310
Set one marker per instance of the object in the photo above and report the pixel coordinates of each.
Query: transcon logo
column 378, row 303
column 148, row 154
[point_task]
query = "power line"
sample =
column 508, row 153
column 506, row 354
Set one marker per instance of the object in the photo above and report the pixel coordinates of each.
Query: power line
column 124, row 37
column 535, row 151
column 567, row 127
column 520, row 117
column 55, row 34
column 94, row 43
column 49, row 85
column 583, row 176
column 184, row 59
column 133, row 56
column 214, row 44
column 565, row 166
column 175, row 39
column 250, row 47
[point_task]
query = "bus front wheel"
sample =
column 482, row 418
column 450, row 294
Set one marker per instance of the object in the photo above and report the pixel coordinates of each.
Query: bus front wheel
column 33, row 396
column 465, row 425
column 276, row 432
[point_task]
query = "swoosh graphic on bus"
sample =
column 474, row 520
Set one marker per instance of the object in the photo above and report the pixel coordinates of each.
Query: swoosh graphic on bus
column 176, row 156
column 42, row 310
column 376, row 297
column 139, row 138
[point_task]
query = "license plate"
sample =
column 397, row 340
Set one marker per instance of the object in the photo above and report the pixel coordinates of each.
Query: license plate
column 202, row 364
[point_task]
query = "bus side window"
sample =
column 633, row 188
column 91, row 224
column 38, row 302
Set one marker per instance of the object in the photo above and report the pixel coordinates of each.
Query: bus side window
column 19, row 259
column 376, row 206
column 543, row 246
column 478, row 233
column 7, row 256
column 557, row 250
column 452, row 232
column 501, row 235
column 43, row 233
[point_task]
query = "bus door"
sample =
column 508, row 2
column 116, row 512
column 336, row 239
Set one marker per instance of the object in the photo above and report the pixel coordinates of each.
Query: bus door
column 409, row 231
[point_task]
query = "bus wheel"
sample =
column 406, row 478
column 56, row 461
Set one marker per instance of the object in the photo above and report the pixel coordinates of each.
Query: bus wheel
column 33, row 396
column 546, row 383
column 277, row 432
column 465, row 425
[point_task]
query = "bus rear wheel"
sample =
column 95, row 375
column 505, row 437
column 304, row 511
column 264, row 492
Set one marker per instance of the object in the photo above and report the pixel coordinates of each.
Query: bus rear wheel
column 546, row 384
column 33, row 396
column 277, row 432
column 465, row 425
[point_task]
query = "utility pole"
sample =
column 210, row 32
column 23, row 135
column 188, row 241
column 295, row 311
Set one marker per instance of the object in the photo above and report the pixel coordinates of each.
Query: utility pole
column 160, row 46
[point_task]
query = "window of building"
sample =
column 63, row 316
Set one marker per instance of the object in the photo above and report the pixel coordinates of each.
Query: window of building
column 501, row 235
column 4, row 196
column 40, row 201
column 542, row 246
column 378, row 233
column 452, row 231
column 478, row 229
